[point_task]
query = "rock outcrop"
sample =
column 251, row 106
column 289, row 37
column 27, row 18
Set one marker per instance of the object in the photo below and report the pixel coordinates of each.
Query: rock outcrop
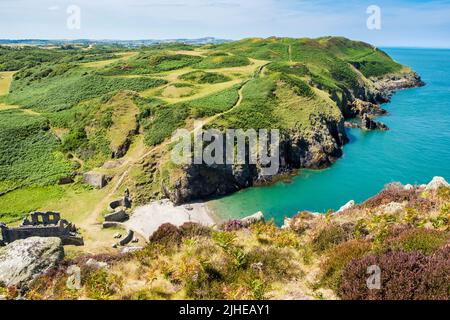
column 369, row 124
column 437, row 183
column 95, row 179
column 255, row 218
column 347, row 206
column 23, row 260
column 389, row 84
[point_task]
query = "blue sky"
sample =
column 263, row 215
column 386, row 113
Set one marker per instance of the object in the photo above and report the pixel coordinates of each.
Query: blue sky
column 404, row 23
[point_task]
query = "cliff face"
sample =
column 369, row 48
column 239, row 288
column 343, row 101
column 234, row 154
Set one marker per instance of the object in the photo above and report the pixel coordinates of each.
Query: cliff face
column 314, row 151
column 318, row 151
column 389, row 84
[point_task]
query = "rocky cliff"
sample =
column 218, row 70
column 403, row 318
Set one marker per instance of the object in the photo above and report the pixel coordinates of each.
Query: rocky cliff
column 313, row 151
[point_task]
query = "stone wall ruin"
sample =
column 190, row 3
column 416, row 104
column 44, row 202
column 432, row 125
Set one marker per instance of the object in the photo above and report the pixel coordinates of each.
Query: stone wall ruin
column 43, row 224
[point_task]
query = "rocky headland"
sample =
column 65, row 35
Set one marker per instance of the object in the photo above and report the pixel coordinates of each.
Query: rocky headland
column 317, row 150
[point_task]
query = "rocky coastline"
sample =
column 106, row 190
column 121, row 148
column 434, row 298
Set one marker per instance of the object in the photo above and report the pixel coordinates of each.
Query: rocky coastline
column 317, row 151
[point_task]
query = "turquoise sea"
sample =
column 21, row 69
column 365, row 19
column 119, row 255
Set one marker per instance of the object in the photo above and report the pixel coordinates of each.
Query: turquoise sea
column 416, row 149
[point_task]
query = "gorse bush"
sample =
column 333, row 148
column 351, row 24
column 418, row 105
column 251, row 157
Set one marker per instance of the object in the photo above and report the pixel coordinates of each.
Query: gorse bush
column 298, row 69
column 269, row 233
column 213, row 103
column 299, row 86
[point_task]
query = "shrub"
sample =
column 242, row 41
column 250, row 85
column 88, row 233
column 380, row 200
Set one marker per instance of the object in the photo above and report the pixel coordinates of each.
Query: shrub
column 205, row 283
column 269, row 233
column 165, row 120
column 395, row 192
column 106, row 120
column 167, row 235
column 214, row 103
column 435, row 283
column 101, row 285
column 191, row 229
column 332, row 235
column 338, row 258
column 28, row 153
column 74, row 140
column 259, row 289
column 404, row 276
column 427, row 241
column 274, row 263
column 225, row 240
column 444, row 193
column 232, row 225
column 298, row 85
column 443, row 219
column 202, row 77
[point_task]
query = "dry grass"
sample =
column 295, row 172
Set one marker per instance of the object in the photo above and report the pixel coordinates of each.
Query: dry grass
column 124, row 119
column 174, row 92
column 5, row 82
column 104, row 63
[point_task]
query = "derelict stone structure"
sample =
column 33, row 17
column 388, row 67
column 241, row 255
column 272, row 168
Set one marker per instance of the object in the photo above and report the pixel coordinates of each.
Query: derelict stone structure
column 43, row 224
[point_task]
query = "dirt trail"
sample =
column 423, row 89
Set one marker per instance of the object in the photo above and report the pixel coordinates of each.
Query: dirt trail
column 290, row 53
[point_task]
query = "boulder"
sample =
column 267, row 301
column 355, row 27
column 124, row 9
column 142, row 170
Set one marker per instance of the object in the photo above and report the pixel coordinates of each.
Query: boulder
column 347, row 206
column 118, row 216
column 23, row 260
column 392, row 208
column 302, row 221
column 97, row 264
column 437, row 183
column 95, row 179
column 255, row 218
column 126, row 250
column 127, row 239
column 107, row 225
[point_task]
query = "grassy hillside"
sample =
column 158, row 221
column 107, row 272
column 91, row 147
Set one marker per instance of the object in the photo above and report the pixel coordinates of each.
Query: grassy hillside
column 29, row 154
column 67, row 110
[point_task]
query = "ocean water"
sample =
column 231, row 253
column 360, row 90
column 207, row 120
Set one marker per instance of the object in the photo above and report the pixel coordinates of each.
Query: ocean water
column 416, row 149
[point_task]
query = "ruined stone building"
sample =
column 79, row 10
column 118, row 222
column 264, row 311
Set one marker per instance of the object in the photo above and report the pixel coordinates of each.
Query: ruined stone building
column 43, row 224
